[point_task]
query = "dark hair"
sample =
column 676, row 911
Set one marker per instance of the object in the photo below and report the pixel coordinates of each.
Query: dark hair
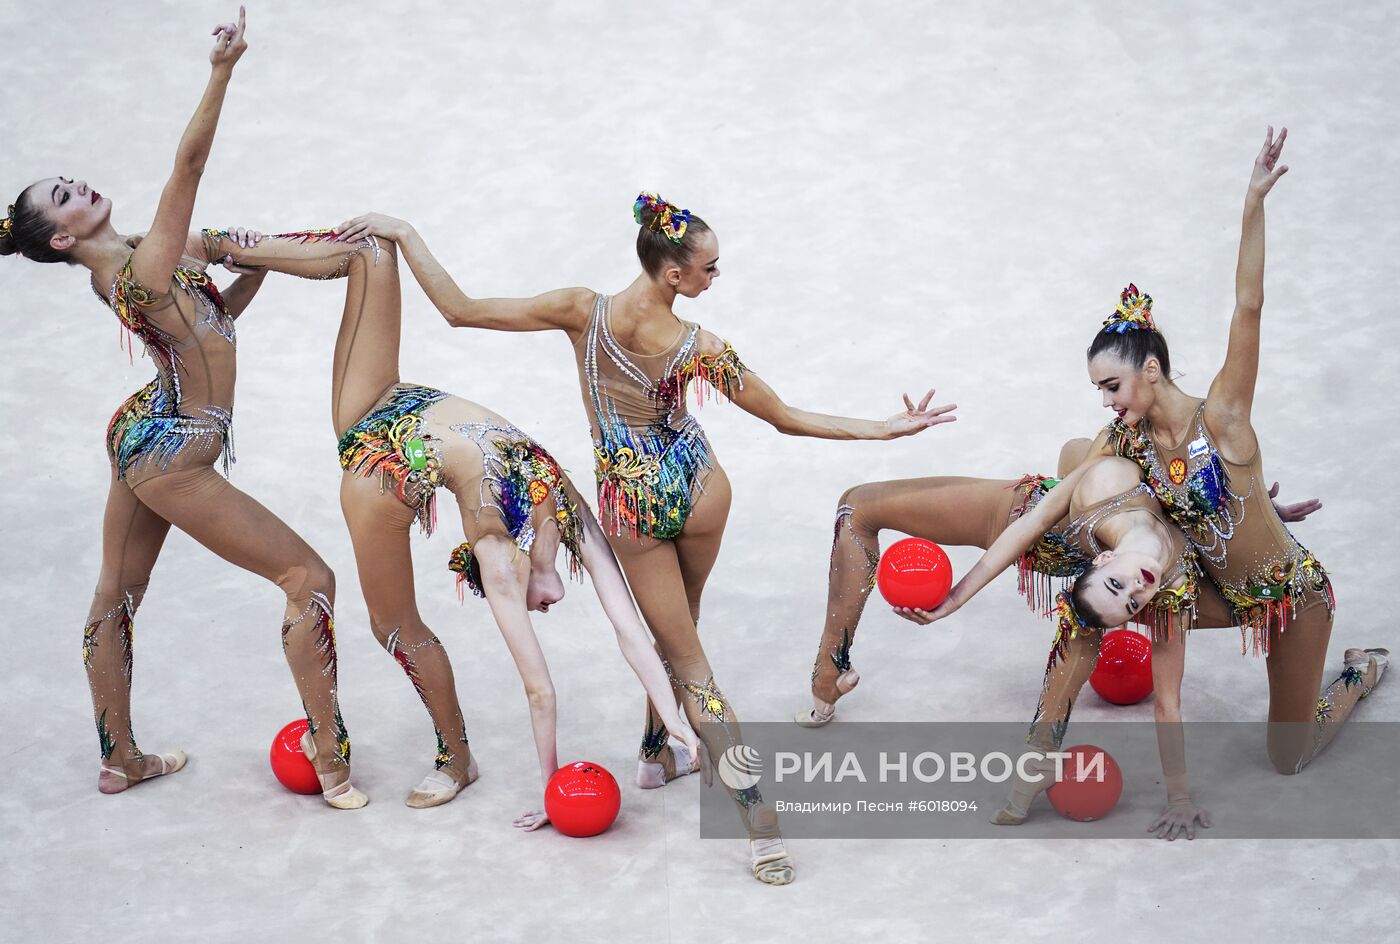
column 656, row 250
column 1133, row 347
column 1089, row 616
column 30, row 231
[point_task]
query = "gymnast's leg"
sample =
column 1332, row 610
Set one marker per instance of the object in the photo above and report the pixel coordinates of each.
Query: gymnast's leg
column 367, row 346
column 1073, row 654
column 1302, row 723
column 949, row 510
column 209, row 509
column 655, row 570
column 659, row 761
column 379, row 527
column 132, row 536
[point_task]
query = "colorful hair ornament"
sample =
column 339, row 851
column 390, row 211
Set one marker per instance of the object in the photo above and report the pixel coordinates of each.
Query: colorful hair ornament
column 1134, row 312
column 8, row 221
column 1070, row 624
column 667, row 219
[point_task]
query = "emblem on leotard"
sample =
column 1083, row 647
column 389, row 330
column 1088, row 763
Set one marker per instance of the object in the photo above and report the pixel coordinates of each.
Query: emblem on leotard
column 1198, row 448
column 416, row 453
column 1176, row 471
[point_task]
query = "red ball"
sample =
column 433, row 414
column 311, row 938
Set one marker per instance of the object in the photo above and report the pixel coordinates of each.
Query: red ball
column 582, row 799
column 1089, row 789
column 1123, row 674
column 915, row 573
column 289, row 764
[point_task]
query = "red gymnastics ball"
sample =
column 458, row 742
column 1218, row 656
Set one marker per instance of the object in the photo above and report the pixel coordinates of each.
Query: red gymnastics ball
column 582, row 799
column 1123, row 674
column 915, row 573
column 289, row 764
column 1090, row 786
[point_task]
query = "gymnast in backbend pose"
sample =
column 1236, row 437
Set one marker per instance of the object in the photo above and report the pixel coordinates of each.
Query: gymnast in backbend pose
column 663, row 497
column 1130, row 564
column 951, row 511
column 398, row 443
column 164, row 440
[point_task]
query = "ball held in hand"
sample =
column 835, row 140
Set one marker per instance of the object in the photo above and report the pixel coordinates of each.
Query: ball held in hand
column 914, row 573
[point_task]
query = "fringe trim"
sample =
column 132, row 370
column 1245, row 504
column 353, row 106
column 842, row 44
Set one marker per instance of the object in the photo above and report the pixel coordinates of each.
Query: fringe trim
column 377, row 445
column 645, row 483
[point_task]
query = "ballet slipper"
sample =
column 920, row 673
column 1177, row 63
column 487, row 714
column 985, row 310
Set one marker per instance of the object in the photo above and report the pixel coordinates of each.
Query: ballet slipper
column 815, row 717
column 342, row 796
column 1008, row 816
column 824, row 712
column 438, row 788
column 1023, row 794
column 772, row 866
column 115, row 780
column 1357, row 658
column 652, row 774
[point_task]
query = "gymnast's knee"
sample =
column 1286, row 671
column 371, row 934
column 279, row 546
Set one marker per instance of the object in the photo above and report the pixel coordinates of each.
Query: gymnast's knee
column 377, row 254
column 1072, row 454
column 310, row 576
column 1290, row 749
column 112, row 594
column 852, row 495
column 1287, row 763
column 856, row 510
column 404, row 627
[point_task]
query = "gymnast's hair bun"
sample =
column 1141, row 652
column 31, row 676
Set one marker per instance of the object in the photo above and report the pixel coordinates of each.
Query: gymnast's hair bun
column 8, row 246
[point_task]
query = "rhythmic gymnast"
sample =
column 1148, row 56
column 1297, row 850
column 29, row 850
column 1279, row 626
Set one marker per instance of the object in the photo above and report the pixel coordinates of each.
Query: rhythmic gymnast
column 164, row 440
column 399, row 442
column 1201, row 458
column 950, row 511
column 663, row 497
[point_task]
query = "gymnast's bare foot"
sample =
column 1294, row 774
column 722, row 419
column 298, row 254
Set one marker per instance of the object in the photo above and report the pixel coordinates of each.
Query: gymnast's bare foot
column 821, row 713
column 115, row 779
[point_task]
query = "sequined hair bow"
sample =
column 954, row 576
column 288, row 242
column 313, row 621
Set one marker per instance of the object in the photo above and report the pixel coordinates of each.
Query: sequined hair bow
column 1134, row 313
column 8, row 221
column 667, row 219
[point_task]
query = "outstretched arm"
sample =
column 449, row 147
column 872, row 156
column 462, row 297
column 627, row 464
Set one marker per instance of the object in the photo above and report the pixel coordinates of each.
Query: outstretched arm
column 754, row 396
column 1181, row 815
column 239, row 295
column 1005, row 550
column 566, row 309
column 632, row 638
column 1232, row 392
column 154, row 261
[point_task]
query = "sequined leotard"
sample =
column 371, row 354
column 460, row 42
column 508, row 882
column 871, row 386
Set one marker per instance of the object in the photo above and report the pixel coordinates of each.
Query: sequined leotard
column 416, row 439
column 1174, row 605
column 1265, row 575
column 1052, row 557
column 1075, row 646
column 184, row 414
column 650, row 454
